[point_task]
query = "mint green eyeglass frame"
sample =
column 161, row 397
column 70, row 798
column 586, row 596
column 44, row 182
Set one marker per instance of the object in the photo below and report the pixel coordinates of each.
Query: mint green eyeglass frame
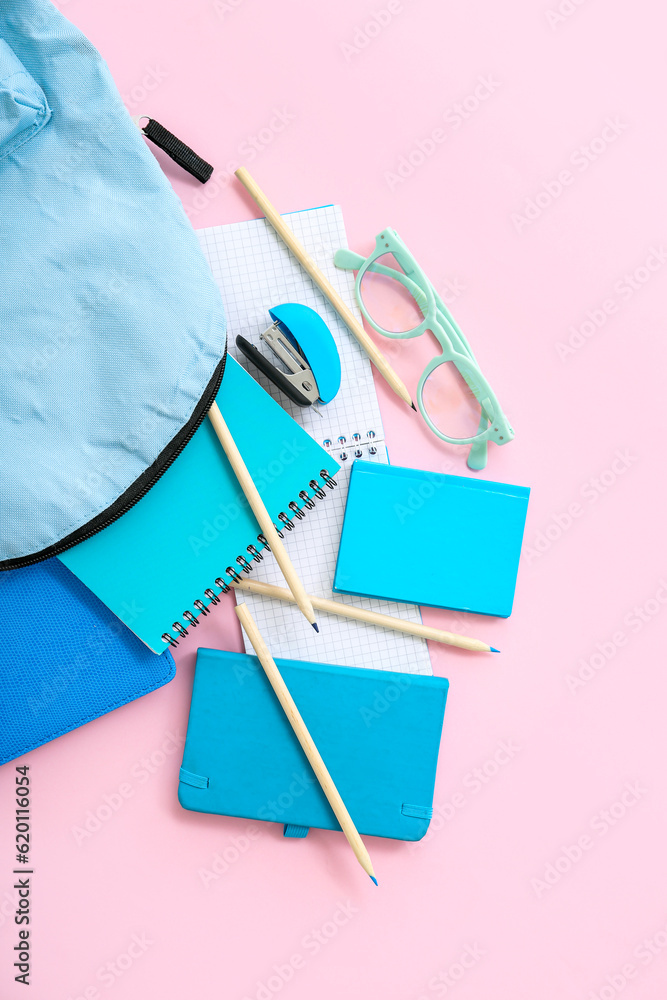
column 493, row 425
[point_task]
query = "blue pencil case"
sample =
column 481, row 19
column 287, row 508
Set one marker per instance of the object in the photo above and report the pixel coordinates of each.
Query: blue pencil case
column 64, row 658
column 378, row 733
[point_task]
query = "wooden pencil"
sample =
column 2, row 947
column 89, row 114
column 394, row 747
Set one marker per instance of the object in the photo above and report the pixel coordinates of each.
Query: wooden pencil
column 251, row 492
column 325, row 286
column 305, row 739
column 370, row 617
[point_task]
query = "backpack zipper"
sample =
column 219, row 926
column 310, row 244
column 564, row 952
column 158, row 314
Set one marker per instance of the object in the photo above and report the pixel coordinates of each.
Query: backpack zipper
column 140, row 487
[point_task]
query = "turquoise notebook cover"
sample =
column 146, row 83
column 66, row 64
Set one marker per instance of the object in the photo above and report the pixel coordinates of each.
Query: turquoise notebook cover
column 151, row 564
column 378, row 733
column 430, row 538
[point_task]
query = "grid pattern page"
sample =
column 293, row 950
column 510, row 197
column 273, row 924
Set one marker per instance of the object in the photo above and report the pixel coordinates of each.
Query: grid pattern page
column 255, row 272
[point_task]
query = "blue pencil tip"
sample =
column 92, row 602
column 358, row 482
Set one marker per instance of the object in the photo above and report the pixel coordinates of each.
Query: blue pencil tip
column 373, row 879
column 315, row 626
column 494, row 650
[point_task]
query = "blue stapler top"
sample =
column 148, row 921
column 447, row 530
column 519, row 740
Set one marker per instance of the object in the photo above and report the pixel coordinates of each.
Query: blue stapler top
column 308, row 332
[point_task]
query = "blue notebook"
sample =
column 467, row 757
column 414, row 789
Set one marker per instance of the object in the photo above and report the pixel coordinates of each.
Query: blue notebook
column 194, row 526
column 430, row 538
column 378, row 733
column 64, row 658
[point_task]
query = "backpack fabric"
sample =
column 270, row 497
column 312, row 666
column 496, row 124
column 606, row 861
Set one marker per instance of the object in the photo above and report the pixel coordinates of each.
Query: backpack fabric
column 112, row 330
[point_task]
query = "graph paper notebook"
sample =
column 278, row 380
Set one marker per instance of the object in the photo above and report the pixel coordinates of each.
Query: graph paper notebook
column 158, row 566
column 255, row 272
column 241, row 757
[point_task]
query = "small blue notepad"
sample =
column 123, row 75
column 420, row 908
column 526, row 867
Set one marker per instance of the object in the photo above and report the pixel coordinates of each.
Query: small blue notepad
column 433, row 539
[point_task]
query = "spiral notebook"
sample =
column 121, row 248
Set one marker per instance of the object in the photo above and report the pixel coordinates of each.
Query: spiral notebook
column 164, row 562
column 255, row 272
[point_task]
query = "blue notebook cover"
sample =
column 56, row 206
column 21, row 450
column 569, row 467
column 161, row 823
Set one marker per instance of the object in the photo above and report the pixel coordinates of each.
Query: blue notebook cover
column 64, row 658
column 378, row 733
column 430, row 538
column 161, row 556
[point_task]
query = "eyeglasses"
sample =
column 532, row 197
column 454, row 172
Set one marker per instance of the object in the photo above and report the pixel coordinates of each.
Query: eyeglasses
column 398, row 301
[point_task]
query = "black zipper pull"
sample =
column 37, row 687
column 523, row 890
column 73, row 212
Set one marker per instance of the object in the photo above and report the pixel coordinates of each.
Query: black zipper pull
column 173, row 147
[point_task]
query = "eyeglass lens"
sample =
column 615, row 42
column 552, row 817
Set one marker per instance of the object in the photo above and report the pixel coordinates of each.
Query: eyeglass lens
column 386, row 299
column 451, row 404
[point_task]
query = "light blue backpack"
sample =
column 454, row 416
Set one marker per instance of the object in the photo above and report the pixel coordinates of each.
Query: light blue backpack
column 112, row 331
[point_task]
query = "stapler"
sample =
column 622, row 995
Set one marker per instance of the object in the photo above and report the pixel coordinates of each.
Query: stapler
column 302, row 341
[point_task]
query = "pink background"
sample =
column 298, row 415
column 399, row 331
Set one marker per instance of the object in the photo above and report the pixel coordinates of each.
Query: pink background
column 469, row 911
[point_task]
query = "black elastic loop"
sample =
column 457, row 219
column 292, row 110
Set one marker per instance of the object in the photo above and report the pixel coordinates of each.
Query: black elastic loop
column 177, row 150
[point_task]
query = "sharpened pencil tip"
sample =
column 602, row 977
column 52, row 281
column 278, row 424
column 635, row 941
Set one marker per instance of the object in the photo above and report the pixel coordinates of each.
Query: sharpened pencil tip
column 413, row 407
column 315, row 626
column 373, row 879
column 494, row 650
